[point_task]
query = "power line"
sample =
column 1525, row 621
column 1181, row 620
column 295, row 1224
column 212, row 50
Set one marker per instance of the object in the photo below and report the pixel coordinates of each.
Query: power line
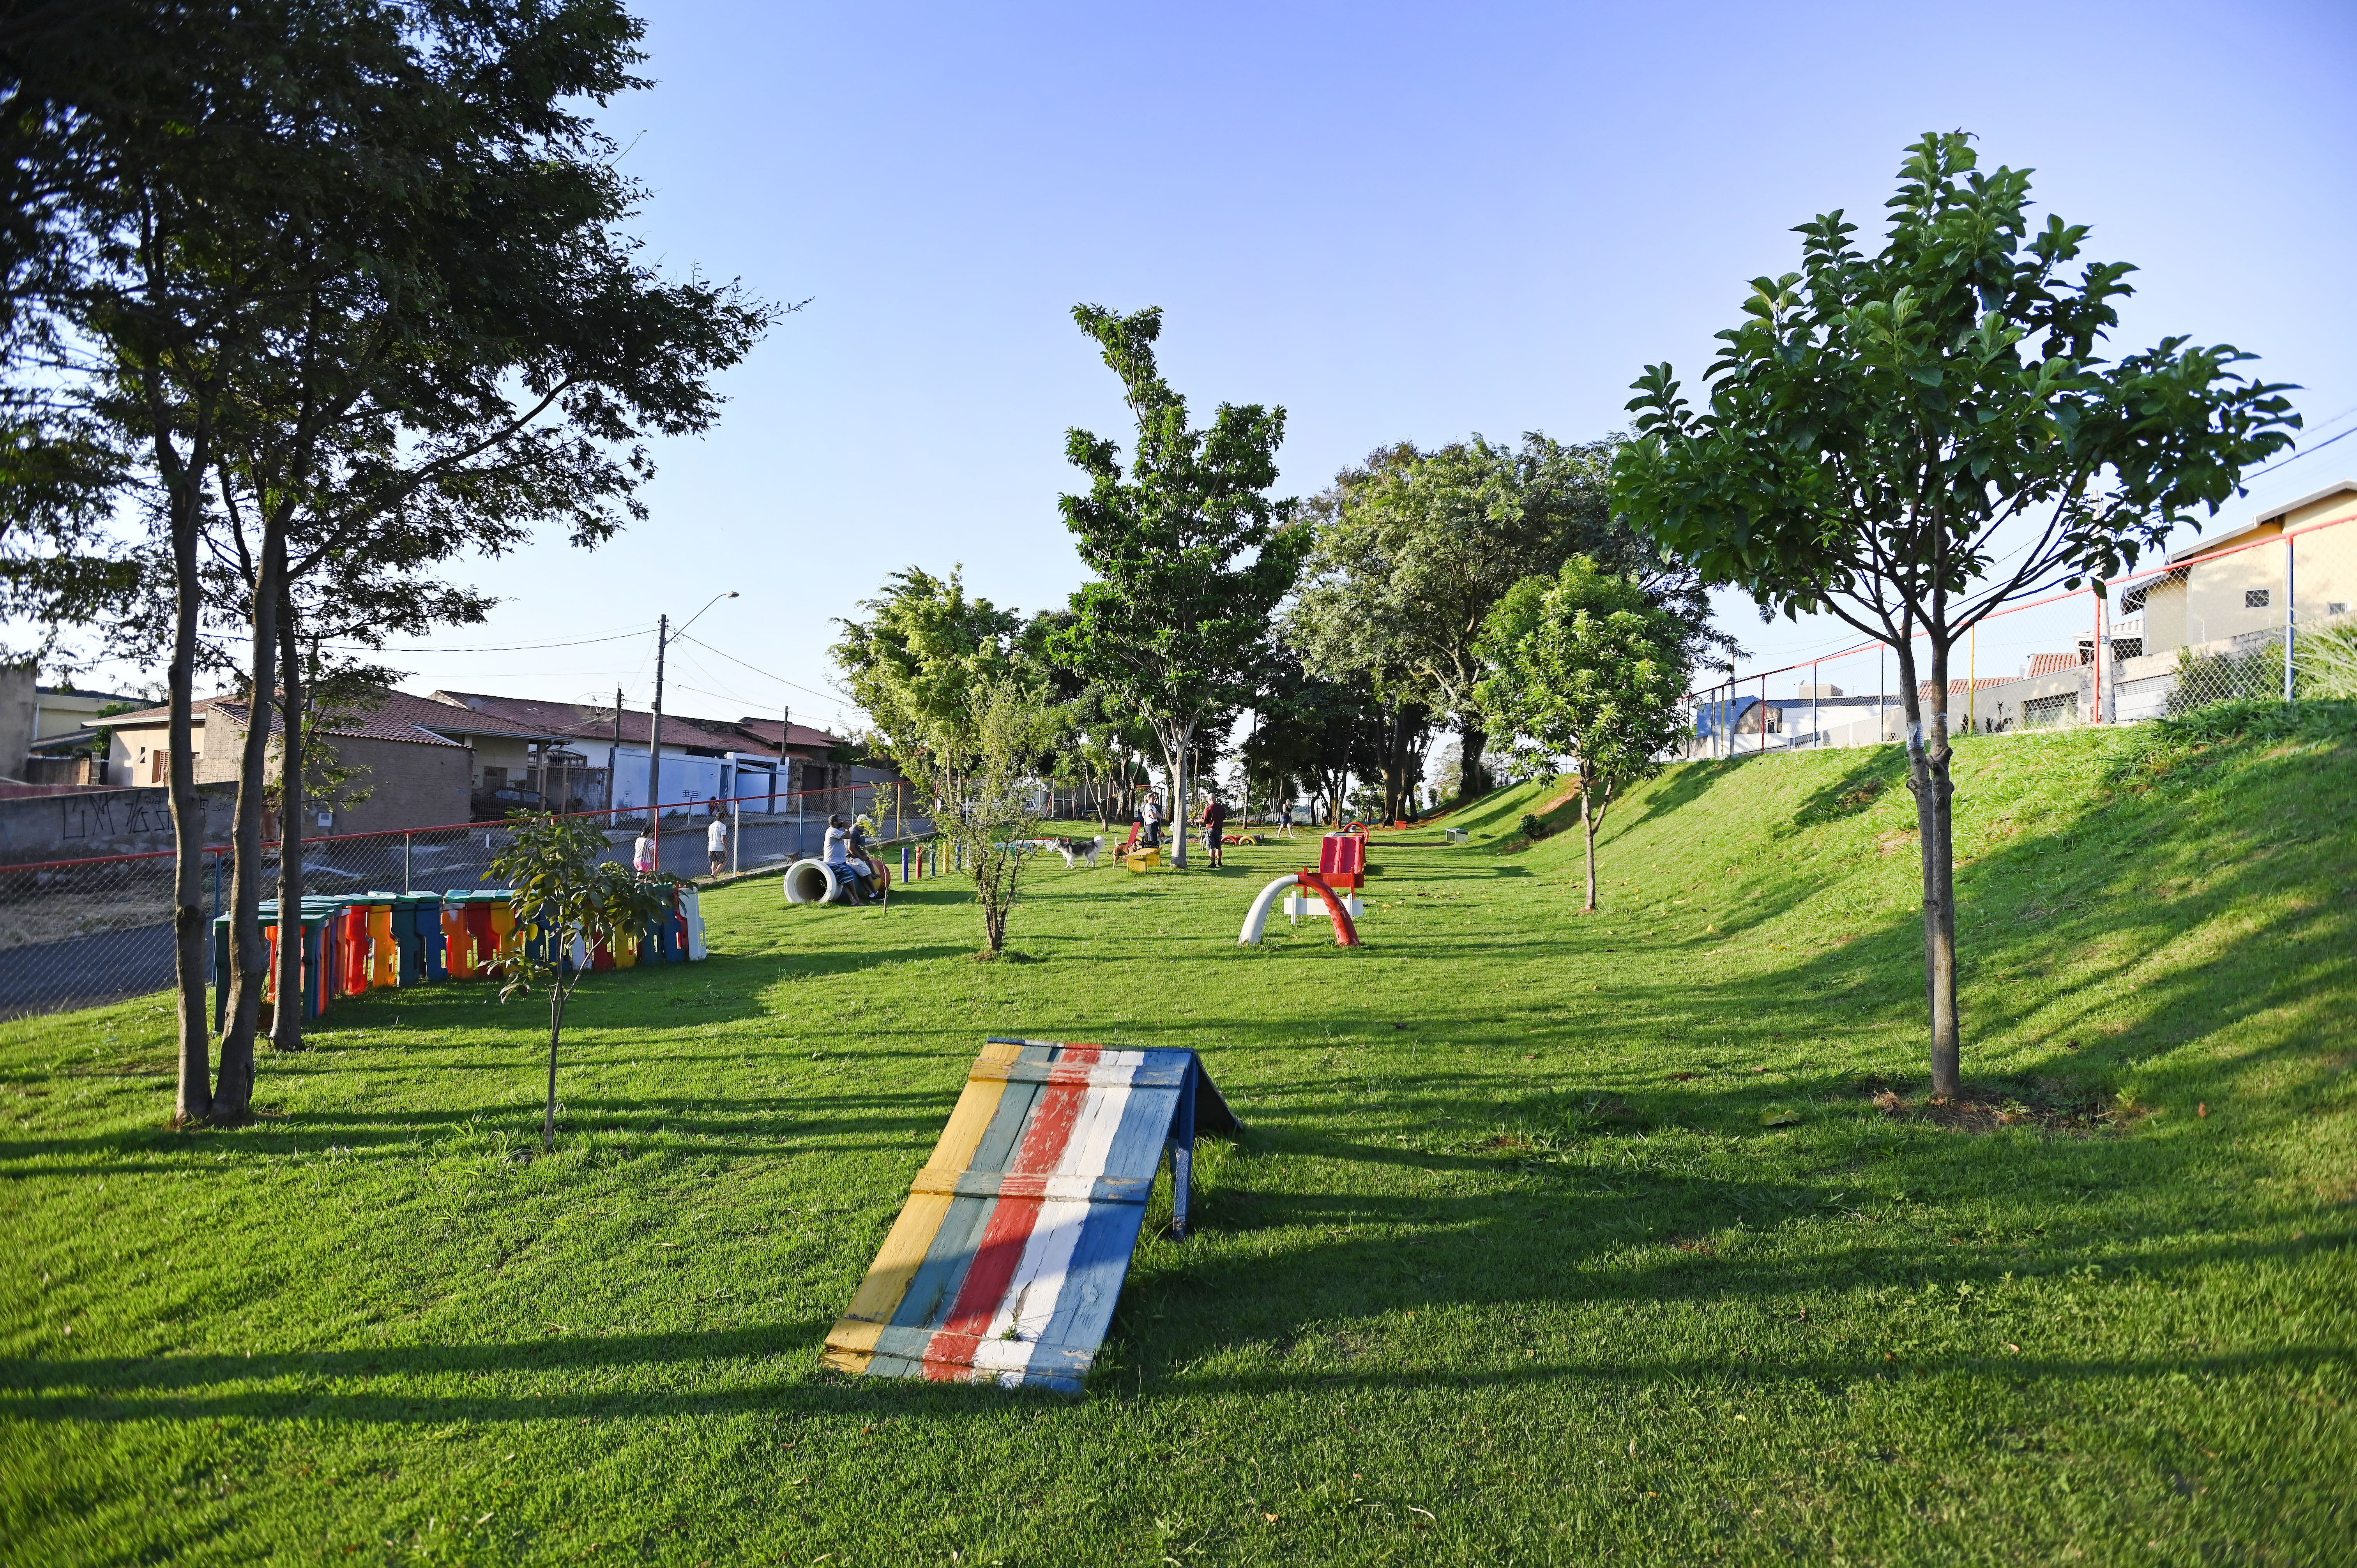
column 2302, row 453
column 513, row 647
column 781, row 679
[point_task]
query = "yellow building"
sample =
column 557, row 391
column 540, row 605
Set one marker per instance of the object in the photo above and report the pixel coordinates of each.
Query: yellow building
column 2236, row 590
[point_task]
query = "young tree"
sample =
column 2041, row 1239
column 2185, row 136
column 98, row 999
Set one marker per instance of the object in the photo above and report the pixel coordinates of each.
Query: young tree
column 567, row 892
column 1588, row 664
column 1414, row 548
column 1914, row 439
column 1191, row 556
column 990, row 808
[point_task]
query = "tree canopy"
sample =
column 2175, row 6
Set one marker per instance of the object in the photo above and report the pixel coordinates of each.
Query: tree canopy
column 341, row 283
column 1413, row 550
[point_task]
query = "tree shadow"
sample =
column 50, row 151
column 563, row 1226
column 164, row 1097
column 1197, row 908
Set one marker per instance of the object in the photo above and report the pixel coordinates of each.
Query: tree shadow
column 1857, row 790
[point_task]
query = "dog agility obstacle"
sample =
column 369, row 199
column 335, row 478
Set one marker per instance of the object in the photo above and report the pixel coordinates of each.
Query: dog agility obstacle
column 1006, row 1263
column 1346, row 934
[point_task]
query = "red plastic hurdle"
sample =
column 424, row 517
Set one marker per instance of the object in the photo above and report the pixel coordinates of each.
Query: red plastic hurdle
column 1343, row 859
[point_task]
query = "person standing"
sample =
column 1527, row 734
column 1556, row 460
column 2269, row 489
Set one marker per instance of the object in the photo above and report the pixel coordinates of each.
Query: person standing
column 1285, row 820
column 643, row 855
column 715, row 843
column 1215, row 822
column 1153, row 813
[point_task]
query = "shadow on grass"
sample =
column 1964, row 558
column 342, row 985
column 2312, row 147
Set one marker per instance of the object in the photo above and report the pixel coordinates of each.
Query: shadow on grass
column 1877, row 770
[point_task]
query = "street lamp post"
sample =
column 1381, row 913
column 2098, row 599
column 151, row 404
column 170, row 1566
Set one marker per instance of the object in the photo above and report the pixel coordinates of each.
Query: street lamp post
column 664, row 634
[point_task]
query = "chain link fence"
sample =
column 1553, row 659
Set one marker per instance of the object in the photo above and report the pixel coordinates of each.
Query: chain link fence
column 2264, row 616
column 79, row 933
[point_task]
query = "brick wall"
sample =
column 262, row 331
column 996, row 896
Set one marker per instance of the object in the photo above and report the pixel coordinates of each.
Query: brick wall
column 408, row 785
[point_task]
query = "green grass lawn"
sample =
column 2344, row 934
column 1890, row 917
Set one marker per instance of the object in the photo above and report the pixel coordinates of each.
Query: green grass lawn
column 1552, row 1239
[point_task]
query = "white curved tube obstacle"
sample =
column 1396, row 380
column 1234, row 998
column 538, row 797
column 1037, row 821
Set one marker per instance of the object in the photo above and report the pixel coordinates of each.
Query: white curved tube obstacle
column 816, row 882
column 811, row 881
column 1256, row 921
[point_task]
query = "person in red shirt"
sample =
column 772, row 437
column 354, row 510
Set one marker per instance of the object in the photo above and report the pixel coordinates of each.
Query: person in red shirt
column 1215, row 821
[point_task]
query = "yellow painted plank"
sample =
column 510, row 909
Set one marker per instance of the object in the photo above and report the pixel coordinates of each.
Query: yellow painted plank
column 904, row 1249
column 850, row 1345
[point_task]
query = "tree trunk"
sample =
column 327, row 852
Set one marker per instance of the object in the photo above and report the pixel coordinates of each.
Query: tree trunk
column 1928, row 756
column 555, row 1029
column 249, row 955
column 190, row 932
column 294, row 742
column 1178, row 742
column 1589, row 821
column 1472, row 778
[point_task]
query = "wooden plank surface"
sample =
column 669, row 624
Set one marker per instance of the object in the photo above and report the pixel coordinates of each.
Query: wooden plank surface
column 1007, row 1264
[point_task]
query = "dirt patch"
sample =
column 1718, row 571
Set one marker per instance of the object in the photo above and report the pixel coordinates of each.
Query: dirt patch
column 1566, row 798
column 2047, row 1103
column 1701, row 1246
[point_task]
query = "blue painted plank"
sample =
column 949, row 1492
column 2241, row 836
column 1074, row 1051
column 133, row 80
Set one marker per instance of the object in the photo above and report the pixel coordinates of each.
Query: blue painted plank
column 934, row 1288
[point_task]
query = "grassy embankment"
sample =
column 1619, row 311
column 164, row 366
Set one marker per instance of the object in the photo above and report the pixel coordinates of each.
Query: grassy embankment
column 1509, row 1268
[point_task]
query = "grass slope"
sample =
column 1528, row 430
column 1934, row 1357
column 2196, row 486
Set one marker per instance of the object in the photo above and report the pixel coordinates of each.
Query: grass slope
column 1507, row 1269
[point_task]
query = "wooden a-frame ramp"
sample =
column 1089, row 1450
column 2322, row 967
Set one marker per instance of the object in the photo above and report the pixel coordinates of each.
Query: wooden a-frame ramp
column 1007, row 1263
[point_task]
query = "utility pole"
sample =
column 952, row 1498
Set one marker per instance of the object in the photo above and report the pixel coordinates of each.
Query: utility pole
column 786, row 773
column 654, row 746
column 614, row 759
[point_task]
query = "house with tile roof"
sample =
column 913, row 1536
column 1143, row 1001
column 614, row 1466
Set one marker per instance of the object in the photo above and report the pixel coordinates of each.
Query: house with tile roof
column 703, row 760
column 412, row 760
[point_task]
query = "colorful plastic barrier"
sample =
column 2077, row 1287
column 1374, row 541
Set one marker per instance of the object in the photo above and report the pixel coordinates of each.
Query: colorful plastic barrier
column 359, row 942
column 1006, row 1263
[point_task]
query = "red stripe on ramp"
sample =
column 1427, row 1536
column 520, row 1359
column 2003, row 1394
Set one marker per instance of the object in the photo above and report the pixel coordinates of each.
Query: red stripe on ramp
column 950, row 1353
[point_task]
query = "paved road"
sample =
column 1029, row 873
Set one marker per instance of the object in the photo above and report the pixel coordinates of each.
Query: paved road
column 84, row 971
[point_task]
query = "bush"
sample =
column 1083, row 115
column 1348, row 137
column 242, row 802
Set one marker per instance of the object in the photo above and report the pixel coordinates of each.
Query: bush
column 2206, row 679
column 2324, row 662
column 1533, row 828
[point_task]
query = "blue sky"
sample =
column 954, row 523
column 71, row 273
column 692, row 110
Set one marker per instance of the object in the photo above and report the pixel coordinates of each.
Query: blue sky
column 1395, row 221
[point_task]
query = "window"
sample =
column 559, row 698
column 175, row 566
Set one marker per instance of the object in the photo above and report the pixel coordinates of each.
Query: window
column 159, row 766
column 2041, row 712
column 495, row 777
column 2254, row 598
column 2337, row 608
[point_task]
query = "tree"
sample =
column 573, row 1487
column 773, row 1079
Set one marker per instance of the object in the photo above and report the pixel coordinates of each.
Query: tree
column 1414, row 548
column 567, row 893
column 1191, row 556
column 990, row 808
column 1314, row 731
column 1911, row 440
column 1589, row 665
column 919, row 663
column 373, row 315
